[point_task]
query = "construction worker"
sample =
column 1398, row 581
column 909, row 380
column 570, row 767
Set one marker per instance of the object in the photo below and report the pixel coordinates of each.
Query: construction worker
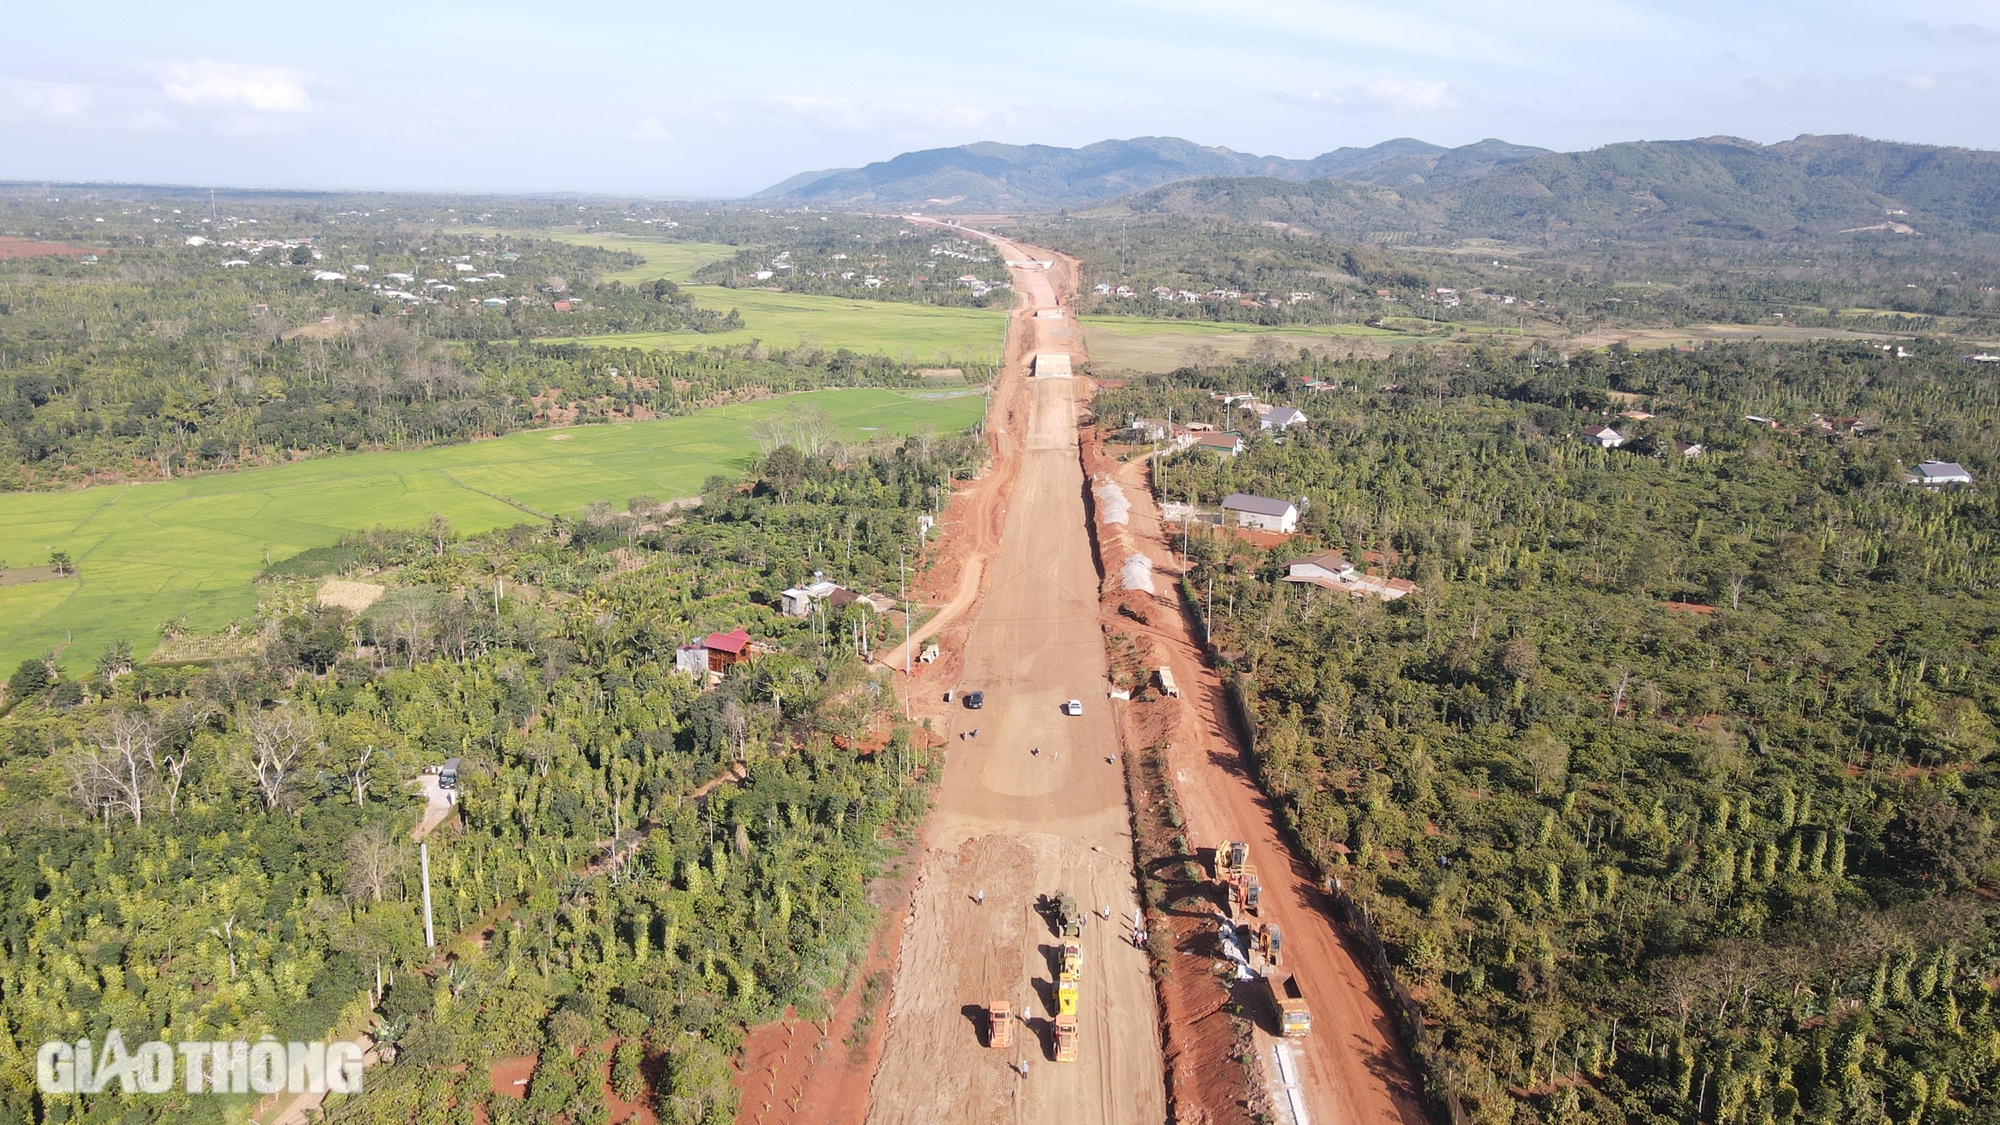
column 980, row 898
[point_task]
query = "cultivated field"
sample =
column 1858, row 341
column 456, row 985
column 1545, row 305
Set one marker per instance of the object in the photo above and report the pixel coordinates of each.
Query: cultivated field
column 1124, row 343
column 914, row 333
column 675, row 261
column 187, row 549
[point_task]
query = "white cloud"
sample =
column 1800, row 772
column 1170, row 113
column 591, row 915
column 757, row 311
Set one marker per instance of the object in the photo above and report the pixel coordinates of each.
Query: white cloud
column 650, row 130
column 239, row 86
column 1390, row 95
column 45, row 101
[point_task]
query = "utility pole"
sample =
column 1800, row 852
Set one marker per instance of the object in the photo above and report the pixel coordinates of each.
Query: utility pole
column 424, row 852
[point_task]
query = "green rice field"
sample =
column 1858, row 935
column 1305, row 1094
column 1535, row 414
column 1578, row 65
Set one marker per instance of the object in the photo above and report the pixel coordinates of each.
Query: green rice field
column 912, row 333
column 188, row 549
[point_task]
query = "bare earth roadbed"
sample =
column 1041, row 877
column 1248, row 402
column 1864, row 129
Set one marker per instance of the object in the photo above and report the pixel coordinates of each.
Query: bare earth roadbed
column 1017, row 825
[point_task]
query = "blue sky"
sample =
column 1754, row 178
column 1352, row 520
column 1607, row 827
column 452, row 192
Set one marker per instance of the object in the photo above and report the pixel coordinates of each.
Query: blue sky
column 722, row 99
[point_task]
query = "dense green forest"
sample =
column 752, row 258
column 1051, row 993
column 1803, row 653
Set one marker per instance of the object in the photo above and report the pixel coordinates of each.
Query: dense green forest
column 1672, row 790
column 223, row 850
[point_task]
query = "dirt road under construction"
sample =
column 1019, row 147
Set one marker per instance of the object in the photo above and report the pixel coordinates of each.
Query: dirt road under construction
column 1030, row 807
column 1033, row 805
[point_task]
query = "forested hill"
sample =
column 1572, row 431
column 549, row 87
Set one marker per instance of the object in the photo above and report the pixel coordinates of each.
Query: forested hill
column 1717, row 186
column 990, row 176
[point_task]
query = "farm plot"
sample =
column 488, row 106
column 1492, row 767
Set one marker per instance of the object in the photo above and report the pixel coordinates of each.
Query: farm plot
column 1124, row 343
column 186, row 550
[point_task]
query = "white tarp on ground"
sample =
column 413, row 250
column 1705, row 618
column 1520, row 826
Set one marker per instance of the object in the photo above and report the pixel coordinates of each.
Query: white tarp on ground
column 1137, row 573
column 1112, row 506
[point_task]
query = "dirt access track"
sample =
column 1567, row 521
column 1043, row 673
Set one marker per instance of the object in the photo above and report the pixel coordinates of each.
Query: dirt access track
column 1013, row 824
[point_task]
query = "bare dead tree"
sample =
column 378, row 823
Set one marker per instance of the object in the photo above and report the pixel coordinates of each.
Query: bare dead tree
column 119, row 769
column 278, row 739
column 374, row 858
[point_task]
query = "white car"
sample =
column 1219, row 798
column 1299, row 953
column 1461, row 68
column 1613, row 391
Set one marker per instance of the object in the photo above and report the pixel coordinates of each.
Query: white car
column 1073, row 707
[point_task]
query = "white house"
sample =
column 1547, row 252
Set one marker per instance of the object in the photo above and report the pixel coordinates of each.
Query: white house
column 1604, row 436
column 798, row 601
column 1939, row 472
column 1282, row 418
column 1262, row 513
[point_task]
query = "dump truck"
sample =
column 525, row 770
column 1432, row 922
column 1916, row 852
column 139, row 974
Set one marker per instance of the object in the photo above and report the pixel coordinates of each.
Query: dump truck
column 1294, row 1020
column 1066, row 994
column 1000, row 1024
column 1066, row 1038
column 1167, row 683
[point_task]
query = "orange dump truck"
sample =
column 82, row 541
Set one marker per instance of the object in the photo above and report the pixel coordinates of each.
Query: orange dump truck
column 1065, row 1038
column 1000, row 1024
column 1294, row 1019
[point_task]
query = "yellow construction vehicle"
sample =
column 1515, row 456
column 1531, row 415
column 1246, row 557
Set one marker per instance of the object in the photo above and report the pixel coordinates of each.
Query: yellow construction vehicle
column 1072, row 956
column 1294, row 1020
column 1266, row 942
column 1230, row 856
column 1066, row 1036
column 1066, row 994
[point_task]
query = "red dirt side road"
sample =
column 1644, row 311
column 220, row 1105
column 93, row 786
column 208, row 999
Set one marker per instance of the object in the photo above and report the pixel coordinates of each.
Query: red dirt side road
column 1353, row 1067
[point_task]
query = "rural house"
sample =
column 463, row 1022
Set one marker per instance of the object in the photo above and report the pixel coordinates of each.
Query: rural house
column 1939, row 472
column 1226, row 444
column 1332, row 571
column 1262, row 513
column 715, row 653
column 1282, row 418
column 1688, row 449
column 1604, row 436
column 798, row 601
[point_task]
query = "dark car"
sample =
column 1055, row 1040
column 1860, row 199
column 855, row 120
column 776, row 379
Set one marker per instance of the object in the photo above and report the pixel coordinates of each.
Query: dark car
column 974, row 700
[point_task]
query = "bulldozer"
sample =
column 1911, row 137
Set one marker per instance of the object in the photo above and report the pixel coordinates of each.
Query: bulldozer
column 1246, row 894
column 1000, row 1025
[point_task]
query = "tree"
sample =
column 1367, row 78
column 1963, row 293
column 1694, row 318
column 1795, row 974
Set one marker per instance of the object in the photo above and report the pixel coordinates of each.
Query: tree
column 1936, row 842
column 783, row 468
column 374, row 857
column 278, row 739
column 117, row 769
column 61, row 563
column 116, row 660
column 32, row 678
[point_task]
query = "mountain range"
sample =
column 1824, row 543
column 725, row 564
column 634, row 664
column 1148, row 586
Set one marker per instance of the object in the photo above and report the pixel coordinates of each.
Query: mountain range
column 1722, row 187
column 996, row 177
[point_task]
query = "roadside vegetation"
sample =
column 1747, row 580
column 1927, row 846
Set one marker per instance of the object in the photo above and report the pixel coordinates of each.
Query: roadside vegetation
column 222, row 849
column 1672, row 788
